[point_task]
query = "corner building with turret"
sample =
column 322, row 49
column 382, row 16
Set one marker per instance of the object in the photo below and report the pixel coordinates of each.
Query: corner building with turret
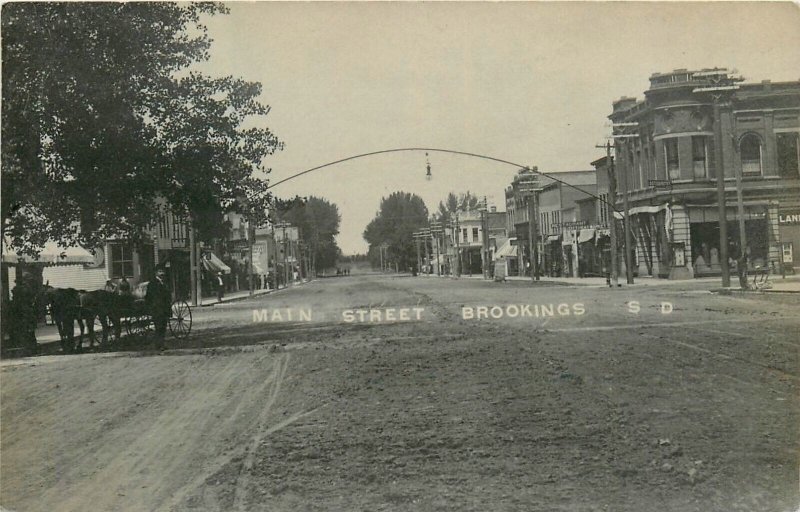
column 666, row 163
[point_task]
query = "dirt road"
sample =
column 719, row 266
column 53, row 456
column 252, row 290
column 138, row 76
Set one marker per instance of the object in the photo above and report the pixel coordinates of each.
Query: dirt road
column 691, row 411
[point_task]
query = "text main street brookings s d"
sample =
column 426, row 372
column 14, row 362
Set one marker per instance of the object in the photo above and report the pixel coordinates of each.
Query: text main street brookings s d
column 419, row 313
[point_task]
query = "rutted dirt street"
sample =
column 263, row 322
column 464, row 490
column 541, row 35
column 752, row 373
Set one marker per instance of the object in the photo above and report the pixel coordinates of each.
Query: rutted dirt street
column 693, row 410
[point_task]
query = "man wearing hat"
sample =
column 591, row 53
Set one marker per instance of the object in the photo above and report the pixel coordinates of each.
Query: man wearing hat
column 159, row 299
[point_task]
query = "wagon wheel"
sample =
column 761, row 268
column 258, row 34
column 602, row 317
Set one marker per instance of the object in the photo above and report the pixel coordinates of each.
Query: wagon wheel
column 180, row 320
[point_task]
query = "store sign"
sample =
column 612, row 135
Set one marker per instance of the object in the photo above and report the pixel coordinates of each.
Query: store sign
column 789, row 218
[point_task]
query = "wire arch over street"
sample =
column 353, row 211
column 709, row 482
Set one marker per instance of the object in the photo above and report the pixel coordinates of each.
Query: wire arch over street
column 439, row 150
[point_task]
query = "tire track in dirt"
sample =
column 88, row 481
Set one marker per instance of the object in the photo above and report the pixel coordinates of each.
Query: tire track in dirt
column 144, row 458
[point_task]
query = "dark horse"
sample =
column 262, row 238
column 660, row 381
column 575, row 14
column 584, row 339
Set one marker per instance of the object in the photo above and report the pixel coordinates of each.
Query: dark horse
column 69, row 305
column 65, row 309
column 107, row 307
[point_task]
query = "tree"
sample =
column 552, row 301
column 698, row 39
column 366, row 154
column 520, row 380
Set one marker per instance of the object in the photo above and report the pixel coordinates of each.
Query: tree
column 318, row 220
column 399, row 216
column 100, row 117
column 454, row 203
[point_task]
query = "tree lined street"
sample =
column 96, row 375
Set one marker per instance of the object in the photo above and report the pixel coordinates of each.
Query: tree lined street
column 690, row 406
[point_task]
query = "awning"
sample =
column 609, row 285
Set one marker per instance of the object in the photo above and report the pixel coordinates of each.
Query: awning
column 642, row 209
column 553, row 238
column 506, row 250
column 213, row 264
column 586, row 235
column 51, row 254
column 257, row 267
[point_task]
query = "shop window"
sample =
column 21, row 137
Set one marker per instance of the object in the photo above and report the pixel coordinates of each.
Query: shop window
column 699, row 157
column 672, row 159
column 121, row 260
column 750, row 150
column 788, row 154
column 788, row 252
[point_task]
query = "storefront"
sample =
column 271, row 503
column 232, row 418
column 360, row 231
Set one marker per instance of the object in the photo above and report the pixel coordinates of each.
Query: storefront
column 552, row 256
column 789, row 231
column 705, row 238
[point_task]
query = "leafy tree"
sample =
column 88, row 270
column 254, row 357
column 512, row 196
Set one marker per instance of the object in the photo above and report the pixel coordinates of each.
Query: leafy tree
column 318, row 220
column 454, row 203
column 100, row 117
column 399, row 216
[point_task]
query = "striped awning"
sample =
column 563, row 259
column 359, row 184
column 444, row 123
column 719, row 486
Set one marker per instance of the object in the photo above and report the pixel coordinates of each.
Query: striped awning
column 50, row 254
column 213, row 264
column 507, row 250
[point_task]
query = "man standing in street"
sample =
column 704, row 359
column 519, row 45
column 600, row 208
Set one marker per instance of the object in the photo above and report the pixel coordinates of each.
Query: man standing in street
column 159, row 300
column 220, row 287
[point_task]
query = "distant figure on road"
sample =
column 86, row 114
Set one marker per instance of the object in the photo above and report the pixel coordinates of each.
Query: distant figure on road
column 159, row 299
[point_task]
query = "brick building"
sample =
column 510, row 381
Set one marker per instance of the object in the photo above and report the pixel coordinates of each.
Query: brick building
column 666, row 163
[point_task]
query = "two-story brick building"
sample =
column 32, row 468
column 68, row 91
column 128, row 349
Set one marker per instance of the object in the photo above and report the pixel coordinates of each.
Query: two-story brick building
column 666, row 163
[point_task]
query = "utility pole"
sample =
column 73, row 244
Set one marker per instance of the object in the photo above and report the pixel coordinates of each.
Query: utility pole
column 193, row 263
column 457, row 246
column 435, row 228
column 251, row 234
column 485, row 236
column 625, row 213
column 719, row 84
column 419, row 257
column 627, row 226
column 426, row 235
column 612, row 198
column 527, row 187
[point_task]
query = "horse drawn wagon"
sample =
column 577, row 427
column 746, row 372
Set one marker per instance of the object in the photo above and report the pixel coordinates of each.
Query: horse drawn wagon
column 100, row 310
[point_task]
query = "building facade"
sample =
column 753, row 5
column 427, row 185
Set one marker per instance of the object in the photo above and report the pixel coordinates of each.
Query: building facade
column 666, row 163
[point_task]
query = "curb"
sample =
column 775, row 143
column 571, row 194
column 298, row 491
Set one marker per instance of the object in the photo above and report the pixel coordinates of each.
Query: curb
column 245, row 297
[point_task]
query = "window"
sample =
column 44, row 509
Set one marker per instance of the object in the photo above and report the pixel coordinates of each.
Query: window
column 699, row 157
column 121, row 260
column 750, row 149
column 464, row 235
column 787, row 252
column 603, row 209
column 474, row 234
column 788, row 154
column 671, row 157
column 163, row 228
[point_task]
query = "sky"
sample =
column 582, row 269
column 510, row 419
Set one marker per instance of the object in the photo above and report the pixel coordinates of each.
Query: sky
column 530, row 83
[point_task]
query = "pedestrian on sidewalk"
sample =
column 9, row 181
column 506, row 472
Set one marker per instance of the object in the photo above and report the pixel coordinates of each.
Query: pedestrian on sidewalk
column 220, row 287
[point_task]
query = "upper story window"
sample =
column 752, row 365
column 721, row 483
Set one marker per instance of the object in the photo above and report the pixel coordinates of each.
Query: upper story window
column 163, row 226
column 750, row 151
column 464, row 235
column 121, row 260
column 474, row 234
column 671, row 158
column 788, row 154
column 699, row 157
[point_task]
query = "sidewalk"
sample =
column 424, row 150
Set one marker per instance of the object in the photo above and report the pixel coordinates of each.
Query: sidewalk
column 789, row 284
